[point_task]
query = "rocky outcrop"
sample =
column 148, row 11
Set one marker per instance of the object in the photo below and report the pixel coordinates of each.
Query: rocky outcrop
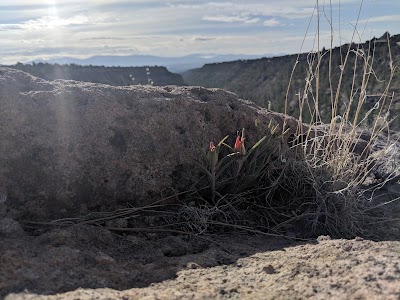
column 71, row 147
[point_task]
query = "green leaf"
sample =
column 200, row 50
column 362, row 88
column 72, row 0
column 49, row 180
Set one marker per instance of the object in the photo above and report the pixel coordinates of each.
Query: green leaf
column 231, row 148
column 224, row 159
column 204, row 169
column 286, row 131
column 223, row 141
column 220, row 171
column 257, row 144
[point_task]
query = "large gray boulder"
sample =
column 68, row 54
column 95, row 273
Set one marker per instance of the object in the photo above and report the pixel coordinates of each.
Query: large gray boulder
column 71, row 147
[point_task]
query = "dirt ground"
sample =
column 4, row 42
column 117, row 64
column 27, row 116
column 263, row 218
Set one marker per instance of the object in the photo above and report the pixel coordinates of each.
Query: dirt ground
column 87, row 262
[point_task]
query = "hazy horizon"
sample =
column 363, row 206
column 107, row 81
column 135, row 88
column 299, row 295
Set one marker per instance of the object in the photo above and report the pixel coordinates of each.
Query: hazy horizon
column 80, row 29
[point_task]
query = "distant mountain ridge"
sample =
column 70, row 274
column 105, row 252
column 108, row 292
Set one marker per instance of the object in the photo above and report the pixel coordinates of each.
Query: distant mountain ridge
column 117, row 76
column 173, row 64
column 265, row 81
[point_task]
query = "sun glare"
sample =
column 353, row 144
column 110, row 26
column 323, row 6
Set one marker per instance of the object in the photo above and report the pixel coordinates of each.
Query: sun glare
column 52, row 9
column 52, row 19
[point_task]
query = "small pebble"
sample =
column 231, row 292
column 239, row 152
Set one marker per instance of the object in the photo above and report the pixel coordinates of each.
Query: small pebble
column 269, row 269
column 324, row 238
column 193, row 265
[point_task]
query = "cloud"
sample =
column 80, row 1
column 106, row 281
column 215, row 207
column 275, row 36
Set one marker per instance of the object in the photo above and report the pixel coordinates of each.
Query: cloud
column 203, row 38
column 105, row 38
column 46, row 22
column 232, row 19
column 387, row 18
column 7, row 27
column 271, row 22
column 291, row 9
column 54, row 21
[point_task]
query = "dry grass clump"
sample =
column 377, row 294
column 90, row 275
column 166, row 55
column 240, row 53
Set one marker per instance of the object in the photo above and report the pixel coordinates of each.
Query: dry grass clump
column 355, row 143
column 330, row 185
column 301, row 192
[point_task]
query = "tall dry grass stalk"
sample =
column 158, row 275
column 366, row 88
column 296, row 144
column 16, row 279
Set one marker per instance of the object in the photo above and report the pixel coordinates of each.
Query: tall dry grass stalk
column 345, row 147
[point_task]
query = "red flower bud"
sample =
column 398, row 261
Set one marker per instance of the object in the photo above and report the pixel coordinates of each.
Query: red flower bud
column 212, row 156
column 239, row 144
column 212, row 147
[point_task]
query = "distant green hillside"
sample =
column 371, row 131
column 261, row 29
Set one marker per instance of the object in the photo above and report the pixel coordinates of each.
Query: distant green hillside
column 117, row 76
column 266, row 79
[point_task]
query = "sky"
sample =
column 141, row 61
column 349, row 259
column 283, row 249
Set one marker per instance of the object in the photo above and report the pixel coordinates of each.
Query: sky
column 45, row 29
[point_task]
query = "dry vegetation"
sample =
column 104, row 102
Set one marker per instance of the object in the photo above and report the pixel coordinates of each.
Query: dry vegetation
column 319, row 186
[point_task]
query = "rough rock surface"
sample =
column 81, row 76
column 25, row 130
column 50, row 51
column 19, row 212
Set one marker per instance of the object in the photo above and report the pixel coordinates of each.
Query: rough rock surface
column 75, row 147
column 93, row 263
column 68, row 148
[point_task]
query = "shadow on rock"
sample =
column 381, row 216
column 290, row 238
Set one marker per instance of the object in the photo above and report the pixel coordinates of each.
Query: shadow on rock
column 84, row 256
